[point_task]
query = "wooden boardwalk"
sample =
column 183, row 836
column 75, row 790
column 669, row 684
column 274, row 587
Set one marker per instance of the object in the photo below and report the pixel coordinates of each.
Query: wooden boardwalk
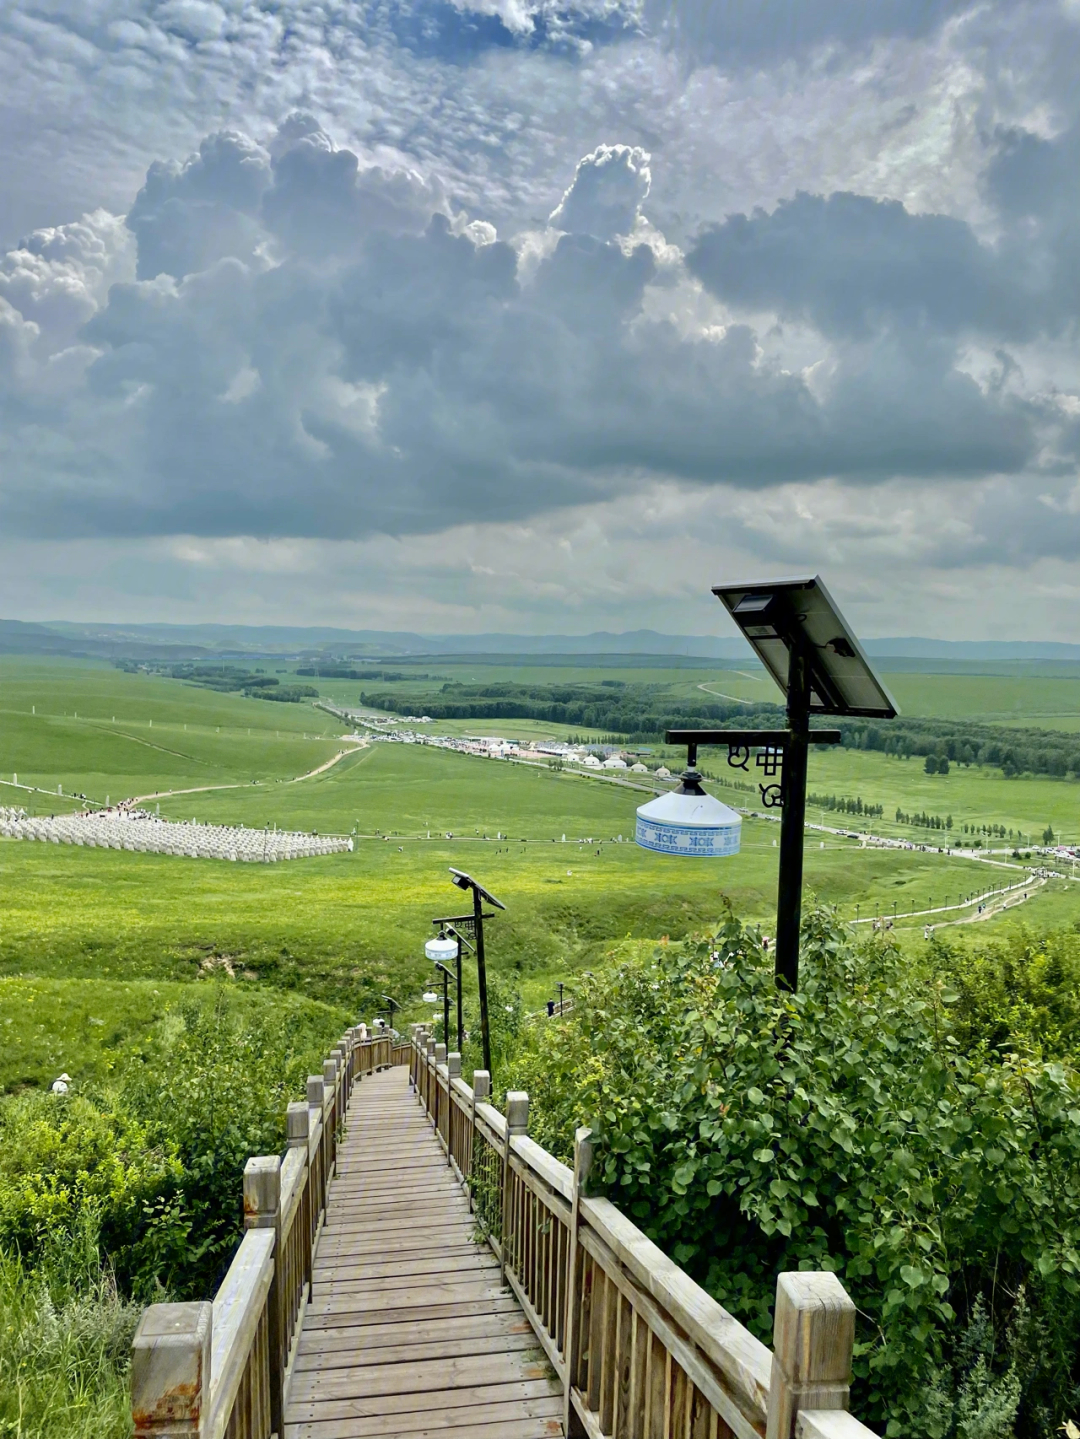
column 409, row 1331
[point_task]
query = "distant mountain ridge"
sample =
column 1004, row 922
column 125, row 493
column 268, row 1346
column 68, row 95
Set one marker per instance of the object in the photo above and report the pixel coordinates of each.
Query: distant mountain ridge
column 191, row 641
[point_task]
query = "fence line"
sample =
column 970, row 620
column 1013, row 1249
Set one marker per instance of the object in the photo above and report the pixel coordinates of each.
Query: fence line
column 219, row 1370
column 642, row 1351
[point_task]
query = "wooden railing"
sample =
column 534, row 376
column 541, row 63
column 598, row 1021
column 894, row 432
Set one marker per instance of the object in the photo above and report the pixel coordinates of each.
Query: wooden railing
column 219, row 1370
column 642, row 1351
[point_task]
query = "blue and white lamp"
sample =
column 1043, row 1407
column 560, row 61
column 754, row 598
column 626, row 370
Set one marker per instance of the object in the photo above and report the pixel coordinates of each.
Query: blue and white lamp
column 687, row 821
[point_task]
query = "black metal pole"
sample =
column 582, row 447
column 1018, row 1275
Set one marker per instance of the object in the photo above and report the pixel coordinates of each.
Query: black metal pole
column 460, row 1017
column 792, row 821
column 445, row 1006
column 481, row 978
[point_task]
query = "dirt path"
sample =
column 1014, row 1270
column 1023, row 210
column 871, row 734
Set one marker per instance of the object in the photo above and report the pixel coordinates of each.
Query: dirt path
column 720, row 695
column 204, row 788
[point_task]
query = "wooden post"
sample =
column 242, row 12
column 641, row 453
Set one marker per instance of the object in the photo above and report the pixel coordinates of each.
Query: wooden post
column 481, row 1093
column 813, row 1339
column 517, row 1122
column 298, row 1124
column 170, row 1371
column 331, row 1074
column 262, row 1210
column 574, row 1329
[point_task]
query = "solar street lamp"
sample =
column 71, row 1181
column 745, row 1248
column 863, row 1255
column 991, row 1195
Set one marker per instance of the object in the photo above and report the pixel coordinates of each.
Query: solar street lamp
column 804, row 643
column 469, row 928
column 392, row 1007
column 447, row 976
column 443, row 950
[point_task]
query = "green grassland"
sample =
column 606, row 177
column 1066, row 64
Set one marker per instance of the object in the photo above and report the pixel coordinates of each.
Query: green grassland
column 101, row 732
column 117, row 936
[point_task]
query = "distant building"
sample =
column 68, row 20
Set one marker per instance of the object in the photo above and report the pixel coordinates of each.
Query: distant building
column 614, row 763
column 663, row 772
column 591, row 762
column 639, row 768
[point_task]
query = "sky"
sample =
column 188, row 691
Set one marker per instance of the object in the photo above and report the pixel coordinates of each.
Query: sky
column 474, row 315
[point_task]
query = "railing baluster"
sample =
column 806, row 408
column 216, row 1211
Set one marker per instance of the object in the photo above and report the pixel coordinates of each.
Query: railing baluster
column 262, row 1210
column 170, row 1371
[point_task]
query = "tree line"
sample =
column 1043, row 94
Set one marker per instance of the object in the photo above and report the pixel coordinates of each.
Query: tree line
column 642, row 712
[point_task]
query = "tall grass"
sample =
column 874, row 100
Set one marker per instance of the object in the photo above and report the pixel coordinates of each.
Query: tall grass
column 65, row 1340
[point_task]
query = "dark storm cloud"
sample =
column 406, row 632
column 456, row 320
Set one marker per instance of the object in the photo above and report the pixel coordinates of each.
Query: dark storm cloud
column 848, row 265
column 316, row 347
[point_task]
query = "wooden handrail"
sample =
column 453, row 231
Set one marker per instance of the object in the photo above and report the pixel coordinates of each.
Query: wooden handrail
column 207, row 1371
column 636, row 1342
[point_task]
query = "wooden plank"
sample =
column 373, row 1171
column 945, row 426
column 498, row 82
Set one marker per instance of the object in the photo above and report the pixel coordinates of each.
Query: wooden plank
column 537, row 1427
column 414, row 1351
column 429, row 1402
column 238, row 1309
column 407, row 1240
column 455, row 1419
column 458, row 1372
column 353, row 1300
column 829, row 1424
column 373, row 1337
column 538, row 1161
column 423, row 1313
column 404, row 1267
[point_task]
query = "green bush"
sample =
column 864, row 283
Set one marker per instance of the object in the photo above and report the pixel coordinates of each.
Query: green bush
column 64, row 1157
column 218, row 1098
column 750, row 1131
column 1019, row 993
column 65, row 1338
column 156, row 1159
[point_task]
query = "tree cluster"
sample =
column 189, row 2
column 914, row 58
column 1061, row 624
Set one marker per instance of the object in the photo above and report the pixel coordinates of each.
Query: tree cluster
column 845, row 805
column 642, row 712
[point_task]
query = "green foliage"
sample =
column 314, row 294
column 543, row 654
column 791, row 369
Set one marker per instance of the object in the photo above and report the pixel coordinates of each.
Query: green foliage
column 64, row 1159
column 749, row 1131
column 65, row 1337
column 156, row 1159
column 505, row 1014
column 1018, row 992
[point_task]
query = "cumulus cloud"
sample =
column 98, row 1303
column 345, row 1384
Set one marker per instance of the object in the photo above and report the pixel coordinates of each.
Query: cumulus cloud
column 344, row 316
column 607, row 193
column 311, row 346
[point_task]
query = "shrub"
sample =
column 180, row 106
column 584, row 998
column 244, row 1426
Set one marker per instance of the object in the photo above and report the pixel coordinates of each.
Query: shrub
column 156, row 1160
column 750, row 1131
column 64, row 1157
column 1021, row 992
column 66, row 1341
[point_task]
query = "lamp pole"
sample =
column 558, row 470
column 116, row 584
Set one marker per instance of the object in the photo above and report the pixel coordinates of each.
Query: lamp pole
column 481, row 977
column 392, row 1007
column 793, row 822
column 476, row 920
column 460, row 1016
column 445, row 1002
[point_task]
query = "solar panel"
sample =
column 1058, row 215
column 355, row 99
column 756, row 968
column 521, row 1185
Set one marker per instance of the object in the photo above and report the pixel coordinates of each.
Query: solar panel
column 777, row 615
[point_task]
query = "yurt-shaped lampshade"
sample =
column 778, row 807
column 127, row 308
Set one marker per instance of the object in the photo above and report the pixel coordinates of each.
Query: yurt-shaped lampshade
column 689, row 822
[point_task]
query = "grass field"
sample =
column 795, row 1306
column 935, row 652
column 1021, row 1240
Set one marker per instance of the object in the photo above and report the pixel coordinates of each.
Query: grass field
column 91, row 935
column 95, row 730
